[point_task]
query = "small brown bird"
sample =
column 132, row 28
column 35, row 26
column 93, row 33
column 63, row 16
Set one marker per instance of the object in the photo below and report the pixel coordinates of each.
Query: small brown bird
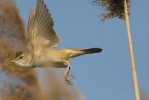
column 41, row 39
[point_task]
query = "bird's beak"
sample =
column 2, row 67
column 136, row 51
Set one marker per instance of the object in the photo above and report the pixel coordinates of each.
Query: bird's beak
column 12, row 61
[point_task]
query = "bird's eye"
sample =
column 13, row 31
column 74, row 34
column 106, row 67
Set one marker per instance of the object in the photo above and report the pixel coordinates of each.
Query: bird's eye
column 20, row 57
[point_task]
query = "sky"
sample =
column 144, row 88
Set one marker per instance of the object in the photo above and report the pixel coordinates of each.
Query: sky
column 107, row 75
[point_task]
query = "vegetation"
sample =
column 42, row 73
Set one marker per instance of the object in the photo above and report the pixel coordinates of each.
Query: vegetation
column 17, row 83
column 114, row 8
column 121, row 9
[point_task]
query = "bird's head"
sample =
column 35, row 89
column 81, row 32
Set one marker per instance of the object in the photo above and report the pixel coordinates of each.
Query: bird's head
column 22, row 59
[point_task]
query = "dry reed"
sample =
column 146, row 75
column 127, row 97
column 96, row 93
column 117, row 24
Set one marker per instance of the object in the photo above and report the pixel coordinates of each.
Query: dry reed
column 19, row 83
column 114, row 8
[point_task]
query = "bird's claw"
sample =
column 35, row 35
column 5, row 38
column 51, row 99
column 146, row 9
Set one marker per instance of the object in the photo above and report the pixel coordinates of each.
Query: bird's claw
column 69, row 79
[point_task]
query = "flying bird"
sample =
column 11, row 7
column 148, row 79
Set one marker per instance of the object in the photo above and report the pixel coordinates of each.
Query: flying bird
column 41, row 39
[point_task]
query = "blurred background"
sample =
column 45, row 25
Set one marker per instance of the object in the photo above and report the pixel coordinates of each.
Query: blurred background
column 104, row 76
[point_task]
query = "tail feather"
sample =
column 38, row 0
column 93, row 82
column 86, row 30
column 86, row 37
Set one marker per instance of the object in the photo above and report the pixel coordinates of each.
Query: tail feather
column 78, row 52
column 91, row 50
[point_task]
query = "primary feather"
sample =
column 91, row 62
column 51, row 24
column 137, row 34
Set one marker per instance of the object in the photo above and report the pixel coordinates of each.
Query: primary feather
column 40, row 32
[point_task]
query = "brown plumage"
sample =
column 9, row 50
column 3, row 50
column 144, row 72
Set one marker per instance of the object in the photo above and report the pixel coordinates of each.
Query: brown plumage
column 41, row 38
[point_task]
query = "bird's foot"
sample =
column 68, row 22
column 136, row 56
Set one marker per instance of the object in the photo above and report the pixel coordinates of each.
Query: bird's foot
column 69, row 79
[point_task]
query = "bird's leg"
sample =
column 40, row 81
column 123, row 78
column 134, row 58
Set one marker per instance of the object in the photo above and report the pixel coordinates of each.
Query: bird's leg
column 67, row 76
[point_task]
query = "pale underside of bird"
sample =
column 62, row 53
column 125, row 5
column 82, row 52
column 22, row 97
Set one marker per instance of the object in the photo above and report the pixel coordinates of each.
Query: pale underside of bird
column 41, row 40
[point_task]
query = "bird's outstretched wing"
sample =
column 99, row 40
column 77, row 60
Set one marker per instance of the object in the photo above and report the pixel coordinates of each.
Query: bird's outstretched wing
column 40, row 32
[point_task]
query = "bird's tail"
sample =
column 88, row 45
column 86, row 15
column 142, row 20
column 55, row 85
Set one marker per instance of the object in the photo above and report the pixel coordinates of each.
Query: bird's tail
column 79, row 52
column 91, row 50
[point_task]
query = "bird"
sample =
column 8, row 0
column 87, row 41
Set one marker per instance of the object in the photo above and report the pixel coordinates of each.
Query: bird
column 41, row 40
